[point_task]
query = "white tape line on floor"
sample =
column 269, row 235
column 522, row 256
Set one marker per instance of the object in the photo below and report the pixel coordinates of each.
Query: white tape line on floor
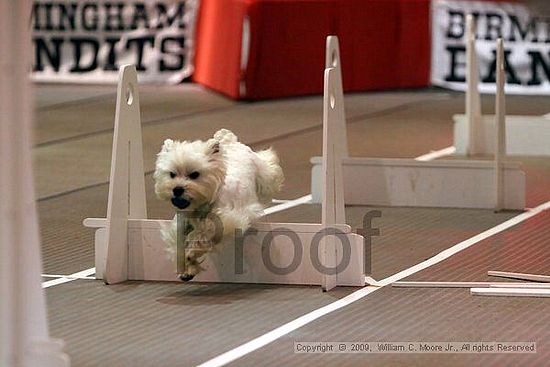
column 65, row 276
column 287, row 328
column 436, row 154
column 69, row 278
column 287, row 205
column 279, row 201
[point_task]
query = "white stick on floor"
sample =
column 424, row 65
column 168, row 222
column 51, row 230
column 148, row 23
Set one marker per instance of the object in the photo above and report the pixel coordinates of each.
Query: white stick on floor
column 520, row 285
column 522, row 276
column 510, row 292
column 412, row 284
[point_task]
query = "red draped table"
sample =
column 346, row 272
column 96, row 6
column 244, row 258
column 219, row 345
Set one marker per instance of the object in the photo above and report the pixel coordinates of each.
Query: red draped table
column 258, row 49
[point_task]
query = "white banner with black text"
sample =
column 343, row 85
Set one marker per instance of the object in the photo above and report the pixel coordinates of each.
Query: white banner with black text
column 526, row 40
column 86, row 41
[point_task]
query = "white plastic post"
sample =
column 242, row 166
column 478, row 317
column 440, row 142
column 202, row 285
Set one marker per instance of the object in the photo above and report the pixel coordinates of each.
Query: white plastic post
column 24, row 334
column 127, row 183
column 473, row 100
column 332, row 60
column 333, row 211
column 500, row 129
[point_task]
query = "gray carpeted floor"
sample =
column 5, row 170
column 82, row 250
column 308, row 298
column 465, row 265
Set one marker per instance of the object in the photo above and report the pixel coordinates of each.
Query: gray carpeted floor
column 176, row 324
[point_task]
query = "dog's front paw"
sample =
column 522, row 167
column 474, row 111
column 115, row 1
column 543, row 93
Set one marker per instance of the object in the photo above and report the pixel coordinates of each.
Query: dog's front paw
column 192, row 265
column 186, row 277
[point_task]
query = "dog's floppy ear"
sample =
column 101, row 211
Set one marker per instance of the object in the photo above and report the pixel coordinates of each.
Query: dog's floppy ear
column 213, row 146
column 167, row 145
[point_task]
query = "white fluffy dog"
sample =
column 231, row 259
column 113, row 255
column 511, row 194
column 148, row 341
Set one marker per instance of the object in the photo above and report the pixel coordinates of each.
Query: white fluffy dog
column 215, row 181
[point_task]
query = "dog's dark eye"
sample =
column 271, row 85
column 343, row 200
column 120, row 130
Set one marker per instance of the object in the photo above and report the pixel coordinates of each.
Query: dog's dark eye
column 194, row 175
column 173, row 175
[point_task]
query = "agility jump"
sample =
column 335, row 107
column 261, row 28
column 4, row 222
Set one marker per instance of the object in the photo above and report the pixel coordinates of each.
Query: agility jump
column 442, row 183
column 128, row 246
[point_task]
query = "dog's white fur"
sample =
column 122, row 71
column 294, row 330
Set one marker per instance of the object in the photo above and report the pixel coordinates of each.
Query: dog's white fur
column 234, row 185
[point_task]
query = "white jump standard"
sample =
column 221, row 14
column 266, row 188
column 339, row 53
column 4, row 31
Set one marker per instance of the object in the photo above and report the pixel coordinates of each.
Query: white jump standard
column 408, row 182
column 24, row 331
column 473, row 132
column 128, row 246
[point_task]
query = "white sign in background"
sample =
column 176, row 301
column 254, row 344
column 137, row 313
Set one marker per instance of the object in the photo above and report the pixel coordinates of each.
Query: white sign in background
column 87, row 41
column 526, row 40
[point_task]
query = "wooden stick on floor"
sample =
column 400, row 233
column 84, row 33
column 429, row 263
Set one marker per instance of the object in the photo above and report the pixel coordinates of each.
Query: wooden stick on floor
column 522, row 276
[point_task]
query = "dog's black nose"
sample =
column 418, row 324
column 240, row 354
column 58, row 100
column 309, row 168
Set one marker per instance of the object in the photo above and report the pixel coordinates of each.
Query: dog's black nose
column 178, row 191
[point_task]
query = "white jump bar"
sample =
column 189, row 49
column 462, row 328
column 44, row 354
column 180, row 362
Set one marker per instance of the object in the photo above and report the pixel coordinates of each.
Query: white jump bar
column 470, row 285
column 510, row 292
